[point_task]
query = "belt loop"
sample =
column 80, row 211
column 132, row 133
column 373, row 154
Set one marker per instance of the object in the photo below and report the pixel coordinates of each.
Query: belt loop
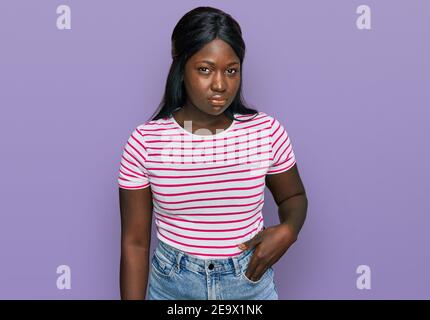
column 237, row 269
column 178, row 259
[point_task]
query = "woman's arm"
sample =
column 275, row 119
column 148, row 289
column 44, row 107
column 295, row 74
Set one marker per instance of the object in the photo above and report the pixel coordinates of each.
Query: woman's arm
column 271, row 243
column 136, row 221
column 290, row 196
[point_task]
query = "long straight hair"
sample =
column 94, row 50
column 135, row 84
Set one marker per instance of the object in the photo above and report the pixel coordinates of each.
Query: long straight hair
column 192, row 32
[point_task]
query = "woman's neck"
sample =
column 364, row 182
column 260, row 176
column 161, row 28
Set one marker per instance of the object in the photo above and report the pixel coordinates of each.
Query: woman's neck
column 198, row 121
column 201, row 119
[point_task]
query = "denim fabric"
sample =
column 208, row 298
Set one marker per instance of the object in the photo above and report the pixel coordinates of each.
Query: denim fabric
column 175, row 275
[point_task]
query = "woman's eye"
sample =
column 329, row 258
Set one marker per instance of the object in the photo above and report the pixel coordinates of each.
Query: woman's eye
column 235, row 71
column 203, row 68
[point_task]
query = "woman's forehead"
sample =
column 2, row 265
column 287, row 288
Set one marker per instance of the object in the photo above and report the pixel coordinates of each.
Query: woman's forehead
column 216, row 52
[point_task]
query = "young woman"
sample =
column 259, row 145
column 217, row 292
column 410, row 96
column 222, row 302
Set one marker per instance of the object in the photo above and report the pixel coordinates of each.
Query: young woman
column 201, row 165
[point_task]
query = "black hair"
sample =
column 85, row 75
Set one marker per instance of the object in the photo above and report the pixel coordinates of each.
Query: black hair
column 192, row 32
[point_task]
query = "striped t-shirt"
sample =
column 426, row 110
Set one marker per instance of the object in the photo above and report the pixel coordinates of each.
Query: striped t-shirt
column 207, row 189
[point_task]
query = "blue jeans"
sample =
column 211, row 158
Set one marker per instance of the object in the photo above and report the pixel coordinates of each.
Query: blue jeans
column 175, row 275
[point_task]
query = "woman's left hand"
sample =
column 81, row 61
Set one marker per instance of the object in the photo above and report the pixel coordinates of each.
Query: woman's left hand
column 270, row 245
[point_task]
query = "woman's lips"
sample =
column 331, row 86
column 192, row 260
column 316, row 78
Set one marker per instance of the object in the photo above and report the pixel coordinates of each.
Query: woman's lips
column 217, row 102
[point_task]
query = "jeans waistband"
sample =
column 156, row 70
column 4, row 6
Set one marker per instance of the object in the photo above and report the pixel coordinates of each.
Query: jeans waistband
column 181, row 259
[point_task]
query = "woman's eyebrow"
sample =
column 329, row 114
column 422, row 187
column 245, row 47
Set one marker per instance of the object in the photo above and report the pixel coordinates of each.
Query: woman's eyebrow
column 212, row 63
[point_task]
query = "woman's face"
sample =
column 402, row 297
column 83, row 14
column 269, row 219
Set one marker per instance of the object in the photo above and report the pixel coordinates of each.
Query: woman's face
column 212, row 73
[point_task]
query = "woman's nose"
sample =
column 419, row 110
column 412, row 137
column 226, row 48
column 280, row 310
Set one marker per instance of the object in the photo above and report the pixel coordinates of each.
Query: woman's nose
column 218, row 83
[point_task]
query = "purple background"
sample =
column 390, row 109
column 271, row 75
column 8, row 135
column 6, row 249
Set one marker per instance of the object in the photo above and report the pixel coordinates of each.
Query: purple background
column 355, row 103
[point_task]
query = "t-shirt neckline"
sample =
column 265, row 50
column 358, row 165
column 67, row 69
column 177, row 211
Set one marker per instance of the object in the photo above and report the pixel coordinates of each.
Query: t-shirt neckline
column 216, row 135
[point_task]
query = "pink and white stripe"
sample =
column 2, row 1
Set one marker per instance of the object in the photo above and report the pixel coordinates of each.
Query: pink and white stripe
column 208, row 190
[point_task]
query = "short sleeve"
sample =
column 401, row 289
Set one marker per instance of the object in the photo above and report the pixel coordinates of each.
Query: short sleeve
column 282, row 155
column 132, row 172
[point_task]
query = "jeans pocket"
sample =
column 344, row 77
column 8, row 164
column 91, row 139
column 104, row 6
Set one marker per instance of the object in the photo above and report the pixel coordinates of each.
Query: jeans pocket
column 267, row 273
column 162, row 265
